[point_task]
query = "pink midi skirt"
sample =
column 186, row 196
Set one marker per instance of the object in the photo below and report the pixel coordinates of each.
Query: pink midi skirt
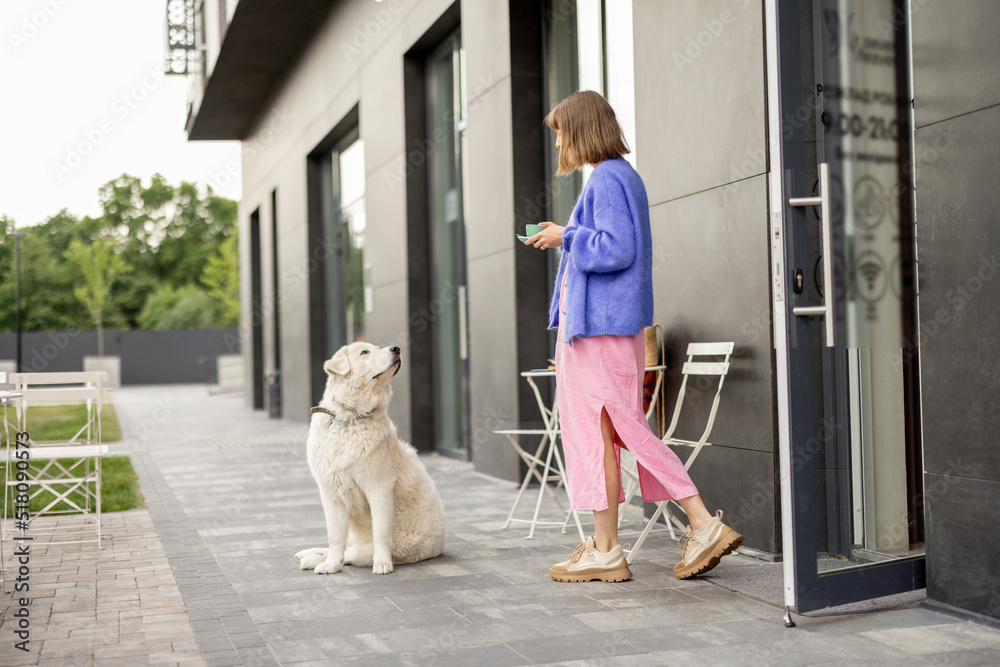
column 606, row 372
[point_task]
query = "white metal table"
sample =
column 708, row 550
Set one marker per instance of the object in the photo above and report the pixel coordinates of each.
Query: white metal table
column 541, row 468
column 548, row 449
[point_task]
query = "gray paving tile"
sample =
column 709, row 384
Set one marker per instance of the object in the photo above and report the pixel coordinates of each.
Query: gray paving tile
column 791, row 652
column 328, row 648
column 458, row 599
column 981, row 658
column 329, row 607
column 222, row 659
column 247, row 640
column 257, row 599
column 939, row 638
column 211, row 645
column 688, row 614
column 352, row 625
column 604, row 645
column 915, row 660
column 642, row 599
column 387, row 585
column 497, row 655
column 482, row 627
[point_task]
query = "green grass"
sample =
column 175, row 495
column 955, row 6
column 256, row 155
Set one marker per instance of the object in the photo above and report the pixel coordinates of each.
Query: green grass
column 119, row 485
column 61, row 422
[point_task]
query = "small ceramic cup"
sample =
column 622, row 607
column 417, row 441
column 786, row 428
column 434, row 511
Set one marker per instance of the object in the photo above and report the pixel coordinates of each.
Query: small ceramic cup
column 531, row 230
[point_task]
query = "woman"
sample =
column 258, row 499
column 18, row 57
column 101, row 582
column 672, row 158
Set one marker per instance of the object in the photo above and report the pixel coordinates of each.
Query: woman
column 603, row 298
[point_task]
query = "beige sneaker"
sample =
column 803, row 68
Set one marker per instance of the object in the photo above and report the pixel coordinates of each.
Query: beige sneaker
column 705, row 547
column 587, row 564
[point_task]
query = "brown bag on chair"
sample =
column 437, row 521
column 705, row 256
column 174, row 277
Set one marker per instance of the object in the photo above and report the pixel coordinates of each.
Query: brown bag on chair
column 654, row 357
column 652, row 345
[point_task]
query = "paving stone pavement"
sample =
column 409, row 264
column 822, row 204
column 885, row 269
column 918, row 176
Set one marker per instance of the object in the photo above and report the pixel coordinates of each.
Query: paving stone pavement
column 204, row 575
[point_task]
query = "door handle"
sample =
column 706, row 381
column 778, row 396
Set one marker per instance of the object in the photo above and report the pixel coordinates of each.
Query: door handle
column 463, row 325
column 823, row 201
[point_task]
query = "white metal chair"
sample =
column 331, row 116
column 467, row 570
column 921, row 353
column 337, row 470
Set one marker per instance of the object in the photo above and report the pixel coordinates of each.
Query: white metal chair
column 6, row 398
column 68, row 469
column 691, row 367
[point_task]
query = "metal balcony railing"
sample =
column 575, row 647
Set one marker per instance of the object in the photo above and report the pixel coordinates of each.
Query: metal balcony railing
column 182, row 42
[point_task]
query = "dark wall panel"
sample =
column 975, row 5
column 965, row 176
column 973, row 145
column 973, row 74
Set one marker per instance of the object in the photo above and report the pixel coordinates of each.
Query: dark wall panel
column 957, row 202
column 958, row 213
column 711, row 283
column 147, row 357
column 955, row 56
column 743, row 484
column 963, row 563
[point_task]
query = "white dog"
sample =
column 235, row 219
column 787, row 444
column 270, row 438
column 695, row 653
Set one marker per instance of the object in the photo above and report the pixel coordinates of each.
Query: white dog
column 381, row 505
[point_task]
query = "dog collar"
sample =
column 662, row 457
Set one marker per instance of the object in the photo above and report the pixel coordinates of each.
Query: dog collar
column 320, row 408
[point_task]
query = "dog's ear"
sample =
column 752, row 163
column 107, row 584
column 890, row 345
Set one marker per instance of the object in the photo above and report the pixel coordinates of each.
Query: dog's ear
column 339, row 364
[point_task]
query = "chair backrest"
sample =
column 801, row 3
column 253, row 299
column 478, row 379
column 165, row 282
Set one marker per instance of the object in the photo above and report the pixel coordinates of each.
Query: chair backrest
column 69, row 377
column 60, row 387
column 693, row 366
column 87, row 387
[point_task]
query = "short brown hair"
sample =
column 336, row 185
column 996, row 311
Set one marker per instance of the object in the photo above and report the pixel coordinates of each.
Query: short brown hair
column 590, row 131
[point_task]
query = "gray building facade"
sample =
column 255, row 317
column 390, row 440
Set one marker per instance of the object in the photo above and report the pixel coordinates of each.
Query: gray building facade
column 391, row 150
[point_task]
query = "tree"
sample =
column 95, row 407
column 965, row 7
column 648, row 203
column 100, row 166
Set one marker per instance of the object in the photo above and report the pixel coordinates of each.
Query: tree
column 168, row 235
column 221, row 279
column 187, row 307
column 46, row 279
column 6, row 274
column 100, row 265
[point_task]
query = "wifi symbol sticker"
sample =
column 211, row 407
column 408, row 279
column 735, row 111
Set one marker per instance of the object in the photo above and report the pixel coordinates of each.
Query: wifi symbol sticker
column 870, row 276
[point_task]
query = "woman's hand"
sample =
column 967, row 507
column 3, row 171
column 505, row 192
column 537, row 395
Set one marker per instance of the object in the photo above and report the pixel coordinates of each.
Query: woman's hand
column 550, row 237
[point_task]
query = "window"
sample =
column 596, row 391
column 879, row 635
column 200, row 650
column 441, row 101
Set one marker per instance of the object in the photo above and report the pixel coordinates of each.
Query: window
column 588, row 46
column 356, row 275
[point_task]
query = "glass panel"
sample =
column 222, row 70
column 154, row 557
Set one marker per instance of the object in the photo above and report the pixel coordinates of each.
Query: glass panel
column 591, row 40
column 333, row 278
column 590, row 52
column 621, row 68
column 447, row 247
column 863, row 500
column 561, row 81
column 352, row 205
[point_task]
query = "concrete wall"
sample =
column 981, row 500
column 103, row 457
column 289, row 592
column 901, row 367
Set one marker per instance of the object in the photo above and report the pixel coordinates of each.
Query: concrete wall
column 147, row 357
column 490, row 205
column 700, row 124
column 957, row 109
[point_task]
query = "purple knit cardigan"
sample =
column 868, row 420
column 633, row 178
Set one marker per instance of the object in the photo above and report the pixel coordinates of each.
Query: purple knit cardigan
column 607, row 257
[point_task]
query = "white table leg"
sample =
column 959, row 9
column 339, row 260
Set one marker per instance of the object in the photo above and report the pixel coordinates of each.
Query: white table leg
column 532, row 464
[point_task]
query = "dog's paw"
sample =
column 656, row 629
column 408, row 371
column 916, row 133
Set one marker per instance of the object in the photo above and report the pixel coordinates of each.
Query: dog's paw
column 329, row 567
column 309, row 561
column 306, row 553
column 382, row 567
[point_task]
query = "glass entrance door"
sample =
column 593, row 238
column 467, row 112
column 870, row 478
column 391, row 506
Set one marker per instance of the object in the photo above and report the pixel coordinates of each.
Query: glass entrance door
column 843, row 259
column 448, row 311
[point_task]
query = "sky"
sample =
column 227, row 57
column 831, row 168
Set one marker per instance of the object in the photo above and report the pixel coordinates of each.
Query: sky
column 83, row 99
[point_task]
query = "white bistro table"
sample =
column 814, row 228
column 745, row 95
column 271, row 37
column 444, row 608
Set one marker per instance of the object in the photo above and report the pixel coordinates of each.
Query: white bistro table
column 539, row 462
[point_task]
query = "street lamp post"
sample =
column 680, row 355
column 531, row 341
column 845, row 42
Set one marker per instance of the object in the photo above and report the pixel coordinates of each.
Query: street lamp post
column 17, row 297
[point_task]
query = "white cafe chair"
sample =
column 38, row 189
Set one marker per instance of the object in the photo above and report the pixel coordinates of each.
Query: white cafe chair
column 693, row 366
column 69, row 469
